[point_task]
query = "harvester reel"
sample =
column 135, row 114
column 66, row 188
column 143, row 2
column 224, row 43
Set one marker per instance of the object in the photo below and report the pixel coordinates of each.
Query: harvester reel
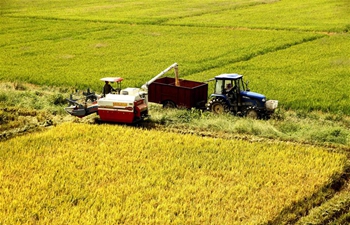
column 217, row 105
column 90, row 96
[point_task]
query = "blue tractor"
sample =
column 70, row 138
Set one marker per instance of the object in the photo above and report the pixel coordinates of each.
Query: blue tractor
column 232, row 95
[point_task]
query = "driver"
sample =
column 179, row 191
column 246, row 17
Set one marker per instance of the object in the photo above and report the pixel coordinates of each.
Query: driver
column 107, row 88
column 231, row 92
column 229, row 88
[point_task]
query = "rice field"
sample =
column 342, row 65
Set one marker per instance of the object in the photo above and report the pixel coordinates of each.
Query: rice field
column 107, row 174
column 293, row 51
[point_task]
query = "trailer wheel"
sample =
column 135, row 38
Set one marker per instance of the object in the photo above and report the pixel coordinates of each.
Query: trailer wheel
column 169, row 104
column 217, row 105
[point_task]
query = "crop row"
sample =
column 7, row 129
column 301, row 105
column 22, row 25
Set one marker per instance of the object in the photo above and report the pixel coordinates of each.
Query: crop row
column 106, row 174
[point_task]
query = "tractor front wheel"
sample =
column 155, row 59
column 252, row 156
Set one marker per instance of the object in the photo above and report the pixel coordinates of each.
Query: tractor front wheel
column 217, row 105
column 252, row 114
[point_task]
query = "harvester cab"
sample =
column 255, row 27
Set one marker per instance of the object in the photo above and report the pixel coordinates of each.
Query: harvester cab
column 231, row 94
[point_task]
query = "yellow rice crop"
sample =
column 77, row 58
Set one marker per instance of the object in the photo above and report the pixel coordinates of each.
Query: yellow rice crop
column 108, row 174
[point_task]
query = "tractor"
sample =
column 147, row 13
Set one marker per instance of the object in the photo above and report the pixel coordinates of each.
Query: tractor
column 232, row 95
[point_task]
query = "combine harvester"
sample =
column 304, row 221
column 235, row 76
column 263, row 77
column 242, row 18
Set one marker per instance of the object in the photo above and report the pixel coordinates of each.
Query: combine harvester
column 130, row 105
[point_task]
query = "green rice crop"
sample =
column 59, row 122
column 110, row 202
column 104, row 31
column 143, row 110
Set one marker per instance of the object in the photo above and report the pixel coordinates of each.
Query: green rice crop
column 315, row 15
column 79, row 53
column 126, row 11
column 74, row 44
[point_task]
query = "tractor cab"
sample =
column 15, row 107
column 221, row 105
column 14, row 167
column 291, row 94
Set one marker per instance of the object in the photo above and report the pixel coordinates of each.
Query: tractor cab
column 229, row 88
column 225, row 83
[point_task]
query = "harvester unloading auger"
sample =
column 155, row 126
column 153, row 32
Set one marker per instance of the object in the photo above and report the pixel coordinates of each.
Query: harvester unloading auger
column 130, row 105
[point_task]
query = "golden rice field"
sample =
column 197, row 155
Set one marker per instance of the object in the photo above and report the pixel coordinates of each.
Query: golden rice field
column 108, row 174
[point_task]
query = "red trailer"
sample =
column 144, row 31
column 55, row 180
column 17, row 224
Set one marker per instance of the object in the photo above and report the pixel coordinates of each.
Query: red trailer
column 172, row 92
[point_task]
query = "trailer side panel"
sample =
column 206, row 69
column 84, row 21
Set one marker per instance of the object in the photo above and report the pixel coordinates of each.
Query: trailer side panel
column 188, row 94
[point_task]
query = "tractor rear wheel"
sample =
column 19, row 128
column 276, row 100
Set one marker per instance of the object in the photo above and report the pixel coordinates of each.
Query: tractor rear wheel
column 217, row 105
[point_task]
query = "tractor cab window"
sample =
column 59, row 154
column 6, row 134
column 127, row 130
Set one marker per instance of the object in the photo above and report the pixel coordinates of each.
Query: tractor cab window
column 241, row 85
column 219, row 86
column 230, row 86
